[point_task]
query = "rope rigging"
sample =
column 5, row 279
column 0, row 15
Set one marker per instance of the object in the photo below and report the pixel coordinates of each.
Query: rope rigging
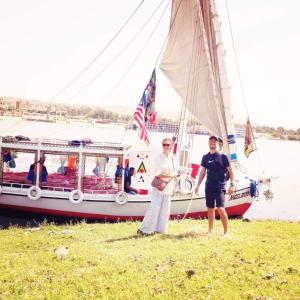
column 157, row 59
column 268, row 193
column 137, row 56
column 240, row 80
column 75, row 78
column 135, row 59
column 236, row 60
column 116, row 57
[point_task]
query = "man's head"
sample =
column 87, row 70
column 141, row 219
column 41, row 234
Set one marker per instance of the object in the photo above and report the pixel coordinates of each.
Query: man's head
column 212, row 143
column 131, row 171
column 42, row 159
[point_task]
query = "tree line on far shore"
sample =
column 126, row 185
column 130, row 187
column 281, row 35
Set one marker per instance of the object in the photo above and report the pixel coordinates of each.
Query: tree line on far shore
column 9, row 104
column 280, row 132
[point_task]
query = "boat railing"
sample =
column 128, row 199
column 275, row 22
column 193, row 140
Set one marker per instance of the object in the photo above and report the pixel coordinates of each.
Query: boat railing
column 24, row 186
column 74, row 145
column 16, row 185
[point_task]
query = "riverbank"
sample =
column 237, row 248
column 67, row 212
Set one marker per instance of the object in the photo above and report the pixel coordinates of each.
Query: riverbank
column 165, row 124
column 258, row 260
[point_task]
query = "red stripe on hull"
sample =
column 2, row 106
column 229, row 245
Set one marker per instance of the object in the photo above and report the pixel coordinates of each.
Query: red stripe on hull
column 237, row 210
column 233, row 211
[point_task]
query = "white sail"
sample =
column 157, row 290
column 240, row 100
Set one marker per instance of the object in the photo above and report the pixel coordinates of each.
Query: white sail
column 193, row 62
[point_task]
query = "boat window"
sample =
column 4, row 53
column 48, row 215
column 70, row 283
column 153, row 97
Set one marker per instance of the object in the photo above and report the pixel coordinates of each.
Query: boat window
column 15, row 168
column 61, row 172
column 99, row 175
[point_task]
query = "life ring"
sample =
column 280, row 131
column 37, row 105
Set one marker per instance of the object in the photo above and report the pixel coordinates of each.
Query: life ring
column 121, row 198
column 186, row 184
column 34, row 193
column 76, row 196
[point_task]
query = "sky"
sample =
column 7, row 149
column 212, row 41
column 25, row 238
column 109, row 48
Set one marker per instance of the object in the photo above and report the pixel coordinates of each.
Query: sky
column 45, row 44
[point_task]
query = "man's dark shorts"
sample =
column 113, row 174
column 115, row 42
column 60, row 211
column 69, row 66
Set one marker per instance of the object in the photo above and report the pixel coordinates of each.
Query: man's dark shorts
column 214, row 198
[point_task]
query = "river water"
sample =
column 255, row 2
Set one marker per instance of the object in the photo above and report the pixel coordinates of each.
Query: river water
column 279, row 159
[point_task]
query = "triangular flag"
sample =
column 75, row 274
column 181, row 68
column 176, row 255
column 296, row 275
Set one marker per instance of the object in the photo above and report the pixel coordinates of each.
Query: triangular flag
column 250, row 145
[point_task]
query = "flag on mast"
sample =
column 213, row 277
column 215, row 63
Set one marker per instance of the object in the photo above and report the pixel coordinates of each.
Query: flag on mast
column 139, row 117
column 150, row 99
column 145, row 110
column 250, row 145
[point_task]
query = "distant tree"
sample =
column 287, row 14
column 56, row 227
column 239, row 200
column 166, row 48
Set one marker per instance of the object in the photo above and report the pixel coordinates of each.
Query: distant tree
column 281, row 129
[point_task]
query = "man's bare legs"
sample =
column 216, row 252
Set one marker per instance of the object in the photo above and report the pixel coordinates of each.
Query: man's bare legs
column 211, row 219
column 224, row 218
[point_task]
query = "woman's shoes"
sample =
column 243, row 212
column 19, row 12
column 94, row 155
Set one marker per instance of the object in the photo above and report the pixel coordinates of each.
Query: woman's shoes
column 140, row 232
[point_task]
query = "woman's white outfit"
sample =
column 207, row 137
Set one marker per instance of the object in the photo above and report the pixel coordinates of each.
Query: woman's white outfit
column 157, row 216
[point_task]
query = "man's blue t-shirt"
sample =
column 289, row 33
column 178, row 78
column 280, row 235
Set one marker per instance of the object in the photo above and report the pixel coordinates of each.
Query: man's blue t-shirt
column 216, row 165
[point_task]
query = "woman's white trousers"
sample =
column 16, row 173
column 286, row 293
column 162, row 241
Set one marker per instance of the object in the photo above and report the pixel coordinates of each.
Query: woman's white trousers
column 157, row 215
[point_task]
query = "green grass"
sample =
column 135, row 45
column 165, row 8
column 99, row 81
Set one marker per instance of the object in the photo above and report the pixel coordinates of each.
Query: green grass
column 258, row 260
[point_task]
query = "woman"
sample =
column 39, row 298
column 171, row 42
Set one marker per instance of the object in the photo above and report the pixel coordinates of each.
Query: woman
column 157, row 216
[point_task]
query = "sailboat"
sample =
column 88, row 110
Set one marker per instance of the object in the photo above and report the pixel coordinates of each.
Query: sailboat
column 194, row 63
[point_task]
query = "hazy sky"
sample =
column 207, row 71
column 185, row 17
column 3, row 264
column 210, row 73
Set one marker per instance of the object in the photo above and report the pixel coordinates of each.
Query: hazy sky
column 44, row 44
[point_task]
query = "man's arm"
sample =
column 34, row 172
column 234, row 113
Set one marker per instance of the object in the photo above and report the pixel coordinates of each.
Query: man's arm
column 231, row 176
column 201, row 177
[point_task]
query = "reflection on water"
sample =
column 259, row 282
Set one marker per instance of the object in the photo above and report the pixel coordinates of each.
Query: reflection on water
column 279, row 159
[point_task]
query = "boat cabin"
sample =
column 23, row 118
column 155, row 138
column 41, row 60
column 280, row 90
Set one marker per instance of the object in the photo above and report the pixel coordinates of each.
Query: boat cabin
column 63, row 166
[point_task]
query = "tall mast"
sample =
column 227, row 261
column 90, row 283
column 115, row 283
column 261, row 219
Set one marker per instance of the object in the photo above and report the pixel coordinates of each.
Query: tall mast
column 182, row 154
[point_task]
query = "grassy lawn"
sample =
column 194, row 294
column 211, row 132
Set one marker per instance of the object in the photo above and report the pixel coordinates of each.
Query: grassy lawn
column 258, row 260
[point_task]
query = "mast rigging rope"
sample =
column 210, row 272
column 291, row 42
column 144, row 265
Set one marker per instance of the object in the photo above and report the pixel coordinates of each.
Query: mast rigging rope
column 116, row 57
column 132, row 64
column 136, row 58
column 98, row 55
column 236, row 60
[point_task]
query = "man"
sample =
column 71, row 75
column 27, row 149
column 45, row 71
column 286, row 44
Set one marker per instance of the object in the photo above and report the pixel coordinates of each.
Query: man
column 127, row 183
column 42, row 169
column 215, row 164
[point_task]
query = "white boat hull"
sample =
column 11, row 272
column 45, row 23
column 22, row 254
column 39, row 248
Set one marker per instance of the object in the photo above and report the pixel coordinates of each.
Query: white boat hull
column 104, row 206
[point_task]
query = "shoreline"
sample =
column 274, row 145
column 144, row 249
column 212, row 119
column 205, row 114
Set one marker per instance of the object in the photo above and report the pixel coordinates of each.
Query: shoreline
column 12, row 218
column 113, row 124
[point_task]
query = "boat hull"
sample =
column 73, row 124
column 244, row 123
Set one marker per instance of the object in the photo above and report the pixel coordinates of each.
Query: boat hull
column 105, row 207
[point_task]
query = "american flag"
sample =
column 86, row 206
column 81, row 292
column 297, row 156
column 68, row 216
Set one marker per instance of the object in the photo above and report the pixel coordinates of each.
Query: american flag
column 139, row 117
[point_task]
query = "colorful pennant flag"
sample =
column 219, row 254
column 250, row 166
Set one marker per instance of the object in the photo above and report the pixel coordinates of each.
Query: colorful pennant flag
column 250, row 145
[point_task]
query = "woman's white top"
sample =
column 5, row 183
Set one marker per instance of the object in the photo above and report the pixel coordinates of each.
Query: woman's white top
column 166, row 165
